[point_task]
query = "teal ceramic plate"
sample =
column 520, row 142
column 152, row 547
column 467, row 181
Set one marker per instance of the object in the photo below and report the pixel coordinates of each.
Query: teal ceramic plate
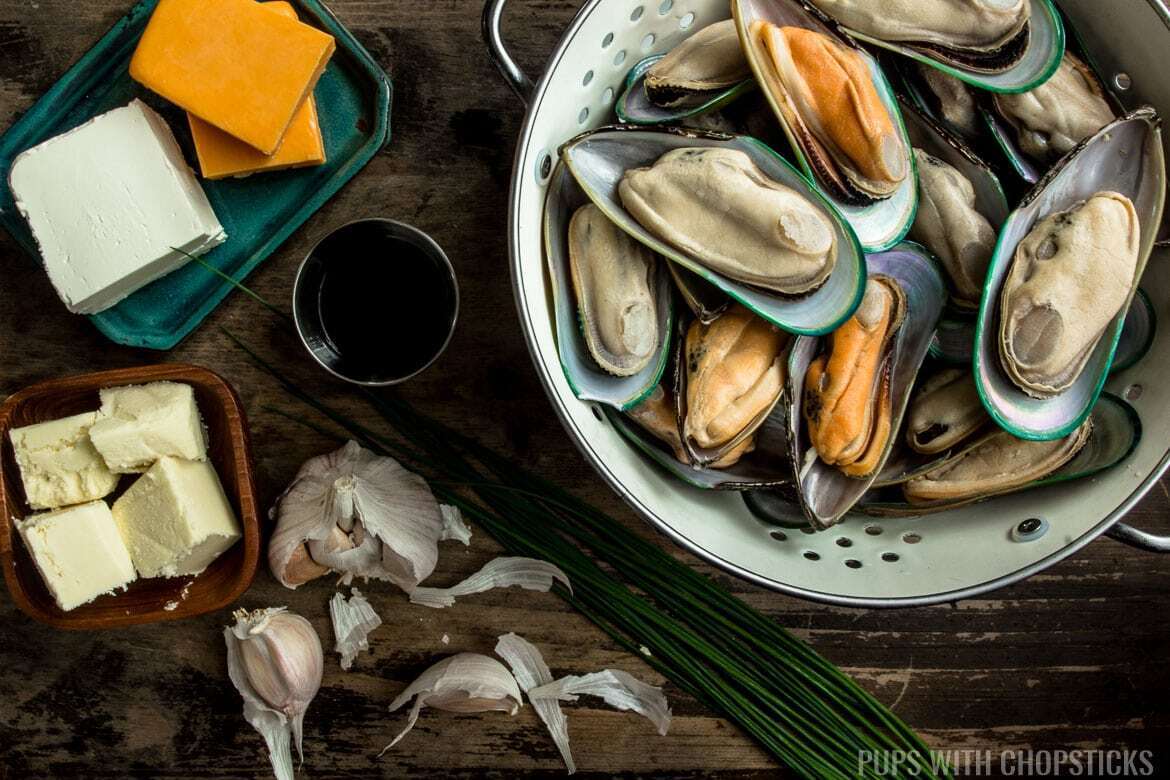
column 258, row 212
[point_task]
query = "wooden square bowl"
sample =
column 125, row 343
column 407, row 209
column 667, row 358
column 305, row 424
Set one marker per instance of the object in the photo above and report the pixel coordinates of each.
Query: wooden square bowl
column 146, row 600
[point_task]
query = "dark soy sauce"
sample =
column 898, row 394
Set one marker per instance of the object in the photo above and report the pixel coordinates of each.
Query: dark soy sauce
column 386, row 301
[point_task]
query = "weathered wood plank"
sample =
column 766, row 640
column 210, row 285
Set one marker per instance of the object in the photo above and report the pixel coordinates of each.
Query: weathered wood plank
column 1072, row 658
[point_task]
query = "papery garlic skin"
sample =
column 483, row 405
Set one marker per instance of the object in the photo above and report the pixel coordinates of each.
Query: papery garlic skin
column 276, row 662
column 360, row 514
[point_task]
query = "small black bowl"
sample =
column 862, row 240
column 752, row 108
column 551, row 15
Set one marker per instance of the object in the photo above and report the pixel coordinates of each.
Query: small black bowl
column 375, row 302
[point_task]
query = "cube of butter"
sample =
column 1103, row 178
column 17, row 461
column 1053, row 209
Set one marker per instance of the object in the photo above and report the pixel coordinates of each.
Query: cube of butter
column 113, row 206
column 59, row 465
column 78, row 552
column 138, row 424
column 175, row 519
column 233, row 64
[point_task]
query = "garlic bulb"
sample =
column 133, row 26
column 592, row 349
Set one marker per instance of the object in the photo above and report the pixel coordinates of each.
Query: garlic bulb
column 275, row 660
column 359, row 514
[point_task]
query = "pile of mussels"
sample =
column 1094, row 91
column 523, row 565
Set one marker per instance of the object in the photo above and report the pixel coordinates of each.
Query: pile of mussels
column 869, row 327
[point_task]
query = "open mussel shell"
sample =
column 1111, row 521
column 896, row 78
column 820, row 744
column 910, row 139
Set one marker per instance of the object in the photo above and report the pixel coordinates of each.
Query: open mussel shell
column 826, row 494
column 954, row 338
column 705, row 355
column 766, row 466
column 1125, row 157
column 588, row 380
column 635, row 108
column 1115, row 434
column 879, row 224
column 704, row 300
column 926, row 134
column 990, row 200
column 598, row 160
column 1005, row 131
column 1043, row 45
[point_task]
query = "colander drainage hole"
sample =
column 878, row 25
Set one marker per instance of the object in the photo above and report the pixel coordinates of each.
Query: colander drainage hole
column 582, row 116
column 620, row 57
column 1133, row 392
column 636, row 14
column 607, row 96
column 807, row 530
column 647, row 43
column 543, row 168
column 607, row 40
column 779, row 536
column 597, row 413
column 873, row 530
column 588, row 77
column 844, row 542
column 911, row 538
column 685, row 22
column 664, row 7
column 812, row 556
column 1123, row 82
column 890, row 557
column 853, row 563
column 1029, row 530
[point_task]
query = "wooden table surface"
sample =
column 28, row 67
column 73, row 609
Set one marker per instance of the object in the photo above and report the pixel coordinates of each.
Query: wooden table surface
column 1073, row 658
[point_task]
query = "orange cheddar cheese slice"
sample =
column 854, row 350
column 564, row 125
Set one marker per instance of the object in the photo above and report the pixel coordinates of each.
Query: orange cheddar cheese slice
column 233, row 64
column 222, row 155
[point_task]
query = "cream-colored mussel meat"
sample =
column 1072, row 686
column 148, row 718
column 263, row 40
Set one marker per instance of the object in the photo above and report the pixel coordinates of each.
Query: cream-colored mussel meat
column 711, row 59
column 949, row 225
column 1054, row 117
column 1069, row 278
column 956, row 102
column 998, row 464
column 717, row 206
column 944, row 412
column 952, row 24
column 828, row 97
column 615, row 281
column 735, row 373
column 847, row 401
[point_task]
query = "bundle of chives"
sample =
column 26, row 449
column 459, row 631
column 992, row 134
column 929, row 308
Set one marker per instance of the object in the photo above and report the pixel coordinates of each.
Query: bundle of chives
column 797, row 705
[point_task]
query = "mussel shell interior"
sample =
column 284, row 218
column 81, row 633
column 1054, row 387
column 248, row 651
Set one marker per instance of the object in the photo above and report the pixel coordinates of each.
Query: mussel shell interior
column 764, row 467
column 881, row 224
column 1117, row 431
column 598, row 160
column 826, row 494
column 633, row 107
column 1125, row 156
column 1040, row 58
column 587, row 379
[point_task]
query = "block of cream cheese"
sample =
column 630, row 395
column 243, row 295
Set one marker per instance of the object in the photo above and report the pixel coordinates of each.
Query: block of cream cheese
column 78, row 552
column 233, row 64
column 138, row 424
column 58, row 463
column 175, row 519
column 222, row 155
column 110, row 203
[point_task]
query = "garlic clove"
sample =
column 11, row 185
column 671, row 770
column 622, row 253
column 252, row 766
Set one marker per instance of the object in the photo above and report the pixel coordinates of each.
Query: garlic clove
column 275, row 661
column 503, row 572
column 300, row 568
column 467, row 682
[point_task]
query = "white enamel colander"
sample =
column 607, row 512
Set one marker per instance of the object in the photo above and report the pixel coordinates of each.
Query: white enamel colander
column 863, row 561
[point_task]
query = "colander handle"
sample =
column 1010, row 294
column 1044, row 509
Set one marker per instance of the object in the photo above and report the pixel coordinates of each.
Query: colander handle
column 493, row 12
column 1143, row 540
